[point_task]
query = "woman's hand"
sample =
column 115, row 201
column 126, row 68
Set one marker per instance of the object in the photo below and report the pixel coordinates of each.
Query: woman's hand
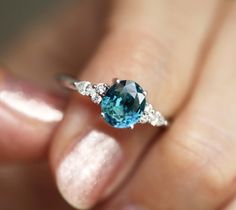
column 183, row 53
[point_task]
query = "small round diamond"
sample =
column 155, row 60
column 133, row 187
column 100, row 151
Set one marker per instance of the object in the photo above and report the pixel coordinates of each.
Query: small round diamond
column 82, row 87
column 89, row 90
column 156, row 119
column 96, row 98
column 101, row 88
column 149, row 109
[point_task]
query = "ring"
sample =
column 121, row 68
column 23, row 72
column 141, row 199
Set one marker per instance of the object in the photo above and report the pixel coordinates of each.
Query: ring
column 123, row 104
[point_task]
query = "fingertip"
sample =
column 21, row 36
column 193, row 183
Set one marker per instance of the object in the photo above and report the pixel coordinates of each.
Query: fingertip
column 83, row 175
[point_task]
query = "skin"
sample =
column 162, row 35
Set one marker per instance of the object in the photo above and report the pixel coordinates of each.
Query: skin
column 183, row 53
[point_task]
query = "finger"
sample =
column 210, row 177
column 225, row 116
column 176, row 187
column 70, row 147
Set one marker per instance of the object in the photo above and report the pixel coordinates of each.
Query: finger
column 193, row 165
column 90, row 160
column 41, row 51
column 28, row 117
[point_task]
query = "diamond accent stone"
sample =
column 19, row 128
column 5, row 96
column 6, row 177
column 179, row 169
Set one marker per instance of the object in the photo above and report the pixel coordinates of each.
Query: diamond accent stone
column 150, row 115
column 101, row 88
column 89, row 90
column 86, row 88
column 82, row 87
column 144, row 118
column 96, row 98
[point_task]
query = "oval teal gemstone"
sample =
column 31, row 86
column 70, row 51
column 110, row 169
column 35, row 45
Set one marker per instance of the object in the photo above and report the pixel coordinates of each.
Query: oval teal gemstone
column 123, row 104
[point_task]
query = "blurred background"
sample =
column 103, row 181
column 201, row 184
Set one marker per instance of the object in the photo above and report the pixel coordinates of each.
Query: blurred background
column 17, row 16
column 21, row 21
column 48, row 35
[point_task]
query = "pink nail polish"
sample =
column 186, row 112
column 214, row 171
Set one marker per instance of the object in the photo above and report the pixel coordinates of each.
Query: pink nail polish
column 28, row 117
column 29, row 101
column 88, row 169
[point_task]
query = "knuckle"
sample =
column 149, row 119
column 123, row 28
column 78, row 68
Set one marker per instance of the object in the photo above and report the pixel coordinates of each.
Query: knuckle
column 140, row 52
column 145, row 58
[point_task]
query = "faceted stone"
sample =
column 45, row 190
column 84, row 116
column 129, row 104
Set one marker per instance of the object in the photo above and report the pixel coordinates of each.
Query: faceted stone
column 89, row 90
column 101, row 88
column 123, row 104
column 96, row 98
column 83, row 86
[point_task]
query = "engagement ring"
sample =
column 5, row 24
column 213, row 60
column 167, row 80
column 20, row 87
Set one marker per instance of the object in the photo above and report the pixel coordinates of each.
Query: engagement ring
column 123, row 104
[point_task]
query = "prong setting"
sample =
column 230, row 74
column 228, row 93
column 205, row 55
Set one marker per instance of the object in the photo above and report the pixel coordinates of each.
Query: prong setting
column 102, row 114
column 145, row 93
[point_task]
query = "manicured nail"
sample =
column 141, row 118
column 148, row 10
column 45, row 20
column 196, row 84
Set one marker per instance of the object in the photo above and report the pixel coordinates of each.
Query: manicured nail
column 29, row 101
column 28, row 117
column 88, row 168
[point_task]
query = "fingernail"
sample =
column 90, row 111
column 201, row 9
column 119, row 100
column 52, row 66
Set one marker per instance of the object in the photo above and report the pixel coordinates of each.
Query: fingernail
column 28, row 117
column 86, row 171
column 29, row 101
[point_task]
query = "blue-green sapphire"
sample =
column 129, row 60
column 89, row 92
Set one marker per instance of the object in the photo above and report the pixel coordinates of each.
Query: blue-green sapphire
column 123, row 104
